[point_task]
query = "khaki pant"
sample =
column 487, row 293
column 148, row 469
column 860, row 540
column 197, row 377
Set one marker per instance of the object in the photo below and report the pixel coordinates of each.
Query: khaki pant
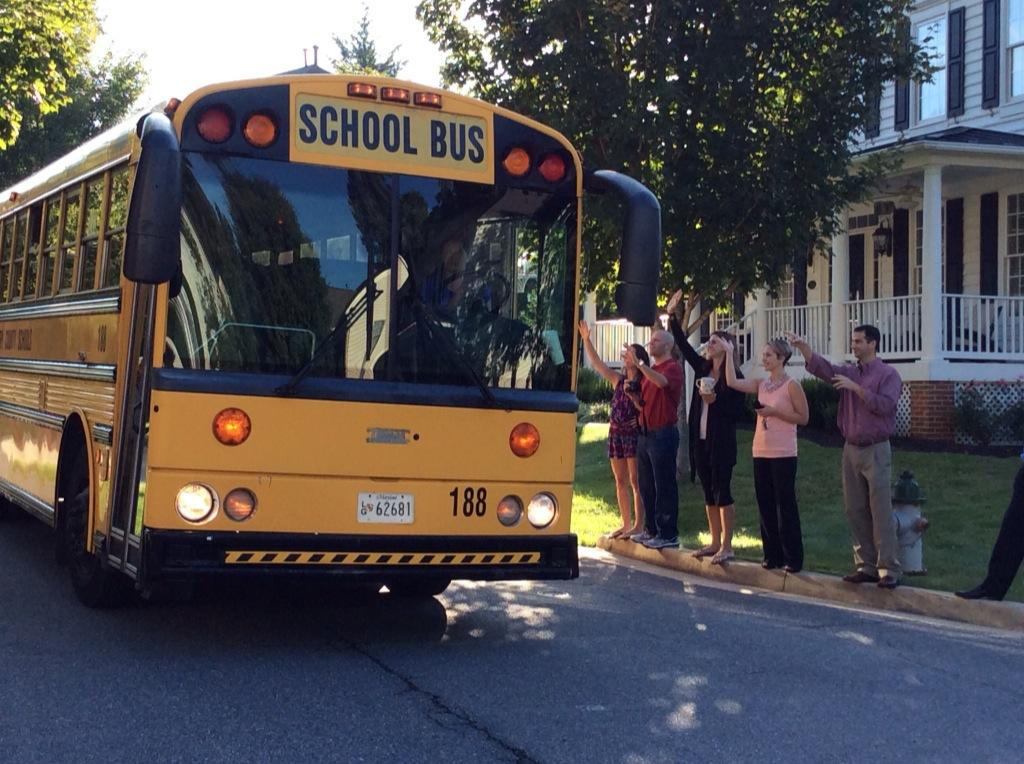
column 867, row 478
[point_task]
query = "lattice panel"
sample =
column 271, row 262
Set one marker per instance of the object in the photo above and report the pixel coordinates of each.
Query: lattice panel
column 999, row 399
column 903, row 413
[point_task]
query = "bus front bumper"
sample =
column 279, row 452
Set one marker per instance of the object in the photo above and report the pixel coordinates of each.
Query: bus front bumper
column 188, row 555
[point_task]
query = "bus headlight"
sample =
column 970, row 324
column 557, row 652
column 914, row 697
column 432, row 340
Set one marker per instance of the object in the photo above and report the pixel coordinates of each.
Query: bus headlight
column 196, row 502
column 510, row 509
column 541, row 512
column 239, row 504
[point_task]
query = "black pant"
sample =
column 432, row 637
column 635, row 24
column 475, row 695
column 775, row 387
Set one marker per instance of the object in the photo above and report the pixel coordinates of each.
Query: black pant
column 656, row 472
column 1009, row 548
column 775, row 487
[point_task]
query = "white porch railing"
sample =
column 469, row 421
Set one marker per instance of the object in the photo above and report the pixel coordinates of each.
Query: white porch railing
column 898, row 320
column 984, row 327
column 809, row 321
column 743, row 330
column 609, row 337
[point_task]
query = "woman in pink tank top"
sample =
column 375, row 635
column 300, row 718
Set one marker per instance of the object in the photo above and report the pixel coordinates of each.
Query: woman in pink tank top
column 781, row 406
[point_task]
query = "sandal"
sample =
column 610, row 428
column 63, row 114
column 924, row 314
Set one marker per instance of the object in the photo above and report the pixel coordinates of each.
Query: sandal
column 722, row 557
column 705, row 552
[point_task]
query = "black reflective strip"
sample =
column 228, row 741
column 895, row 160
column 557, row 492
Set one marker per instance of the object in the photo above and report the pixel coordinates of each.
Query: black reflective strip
column 384, row 558
column 507, row 558
column 362, row 558
column 292, row 557
column 487, row 558
column 316, row 557
column 245, row 557
column 339, row 558
column 427, row 559
column 467, row 558
column 526, row 557
column 405, row 558
column 447, row 559
column 269, row 557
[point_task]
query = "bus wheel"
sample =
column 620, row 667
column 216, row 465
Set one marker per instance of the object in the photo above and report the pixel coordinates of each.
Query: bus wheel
column 419, row 587
column 94, row 585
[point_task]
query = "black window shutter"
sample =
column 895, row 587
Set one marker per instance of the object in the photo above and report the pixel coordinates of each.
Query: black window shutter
column 955, row 70
column 800, row 284
column 990, row 55
column 739, row 304
column 873, row 121
column 902, row 110
column 901, row 253
column 857, row 267
column 989, row 244
column 954, row 246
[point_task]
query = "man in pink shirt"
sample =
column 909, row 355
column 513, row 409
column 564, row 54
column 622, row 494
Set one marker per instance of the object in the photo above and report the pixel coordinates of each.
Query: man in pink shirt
column 868, row 392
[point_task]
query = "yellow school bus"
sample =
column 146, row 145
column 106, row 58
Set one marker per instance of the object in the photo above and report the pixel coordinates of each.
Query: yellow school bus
column 307, row 325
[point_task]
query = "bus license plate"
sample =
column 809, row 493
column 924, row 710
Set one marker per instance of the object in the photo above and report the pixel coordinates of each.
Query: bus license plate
column 385, row 508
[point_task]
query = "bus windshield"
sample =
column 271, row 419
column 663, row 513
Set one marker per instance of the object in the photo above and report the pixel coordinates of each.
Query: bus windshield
column 371, row 276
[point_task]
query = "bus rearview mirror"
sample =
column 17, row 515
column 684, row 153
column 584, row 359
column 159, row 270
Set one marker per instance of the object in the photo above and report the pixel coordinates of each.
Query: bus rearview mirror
column 153, row 235
column 636, row 293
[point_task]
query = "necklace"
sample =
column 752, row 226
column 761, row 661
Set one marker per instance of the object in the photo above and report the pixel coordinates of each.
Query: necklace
column 771, row 387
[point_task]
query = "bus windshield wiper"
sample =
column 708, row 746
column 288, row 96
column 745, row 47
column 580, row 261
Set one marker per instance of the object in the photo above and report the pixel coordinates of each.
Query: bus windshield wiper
column 442, row 340
column 288, row 388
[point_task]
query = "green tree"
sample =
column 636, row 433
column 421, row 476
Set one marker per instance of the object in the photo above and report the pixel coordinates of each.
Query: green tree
column 42, row 45
column 102, row 95
column 359, row 54
column 738, row 114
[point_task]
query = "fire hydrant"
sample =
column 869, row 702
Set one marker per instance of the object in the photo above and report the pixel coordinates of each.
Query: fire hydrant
column 910, row 525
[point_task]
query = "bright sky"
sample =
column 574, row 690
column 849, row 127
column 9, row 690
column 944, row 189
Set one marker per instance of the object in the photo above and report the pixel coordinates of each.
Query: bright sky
column 191, row 43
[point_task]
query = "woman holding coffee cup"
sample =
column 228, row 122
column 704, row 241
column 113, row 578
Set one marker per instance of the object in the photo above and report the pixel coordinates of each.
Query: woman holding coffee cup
column 714, row 410
column 781, row 406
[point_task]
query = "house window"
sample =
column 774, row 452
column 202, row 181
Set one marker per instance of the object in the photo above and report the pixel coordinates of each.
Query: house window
column 931, row 96
column 1015, row 43
column 1015, row 244
column 785, row 299
column 915, row 270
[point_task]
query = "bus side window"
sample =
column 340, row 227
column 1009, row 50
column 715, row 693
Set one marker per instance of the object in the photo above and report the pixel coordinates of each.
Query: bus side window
column 113, row 234
column 50, row 238
column 6, row 242
column 91, row 234
column 69, row 248
column 35, row 222
column 18, row 256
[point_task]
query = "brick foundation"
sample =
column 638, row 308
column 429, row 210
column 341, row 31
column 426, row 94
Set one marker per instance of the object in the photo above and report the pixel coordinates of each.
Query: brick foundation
column 931, row 410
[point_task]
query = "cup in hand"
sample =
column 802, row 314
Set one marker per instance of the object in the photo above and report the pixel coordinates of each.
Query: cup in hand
column 706, row 385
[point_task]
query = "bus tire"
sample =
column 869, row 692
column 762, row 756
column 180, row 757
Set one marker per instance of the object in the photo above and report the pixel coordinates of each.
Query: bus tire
column 94, row 585
column 419, row 587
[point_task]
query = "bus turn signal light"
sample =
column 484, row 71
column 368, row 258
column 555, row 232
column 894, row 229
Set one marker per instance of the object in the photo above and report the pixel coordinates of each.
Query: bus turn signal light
column 517, row 162
column 215, row 124
column 231, row 427
column 260, row 130
column 552, row 168
column 362, row 90
column 524, row 440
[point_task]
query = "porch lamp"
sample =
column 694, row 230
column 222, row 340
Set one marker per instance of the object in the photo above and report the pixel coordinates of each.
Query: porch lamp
column 881, row 238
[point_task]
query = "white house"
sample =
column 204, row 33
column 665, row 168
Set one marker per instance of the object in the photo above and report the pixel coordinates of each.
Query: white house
column 936, row 260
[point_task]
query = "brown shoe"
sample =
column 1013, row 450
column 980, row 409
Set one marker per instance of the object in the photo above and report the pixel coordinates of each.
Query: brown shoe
column 887, row 582
column 860, row 577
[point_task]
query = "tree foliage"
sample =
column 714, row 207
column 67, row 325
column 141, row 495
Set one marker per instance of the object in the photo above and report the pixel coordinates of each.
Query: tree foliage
column 738, row 114
column 101, row 95
column 359, row 54
column 42, row 45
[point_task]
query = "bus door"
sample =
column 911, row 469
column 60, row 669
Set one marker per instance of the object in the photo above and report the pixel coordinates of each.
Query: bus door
column 128, row 494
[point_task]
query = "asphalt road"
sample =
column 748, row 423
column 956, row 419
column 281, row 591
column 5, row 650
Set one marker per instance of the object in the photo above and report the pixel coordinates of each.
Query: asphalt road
column 623, row 665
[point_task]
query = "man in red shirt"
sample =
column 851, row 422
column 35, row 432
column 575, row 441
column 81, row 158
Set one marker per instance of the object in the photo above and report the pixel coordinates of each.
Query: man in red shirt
column 661, row 389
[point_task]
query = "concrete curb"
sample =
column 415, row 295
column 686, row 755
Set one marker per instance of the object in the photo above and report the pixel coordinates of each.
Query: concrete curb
column 905, row 599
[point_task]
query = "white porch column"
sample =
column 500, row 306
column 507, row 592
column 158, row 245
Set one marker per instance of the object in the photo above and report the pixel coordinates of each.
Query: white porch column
column 759, row 333
column 839, row 334
column 931, row 265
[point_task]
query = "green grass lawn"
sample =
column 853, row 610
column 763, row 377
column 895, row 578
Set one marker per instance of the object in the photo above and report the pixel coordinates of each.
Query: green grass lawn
column 966, row 497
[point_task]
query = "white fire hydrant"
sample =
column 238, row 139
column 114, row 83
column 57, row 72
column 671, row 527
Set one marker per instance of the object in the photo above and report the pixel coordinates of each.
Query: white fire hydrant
column 910, row 525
